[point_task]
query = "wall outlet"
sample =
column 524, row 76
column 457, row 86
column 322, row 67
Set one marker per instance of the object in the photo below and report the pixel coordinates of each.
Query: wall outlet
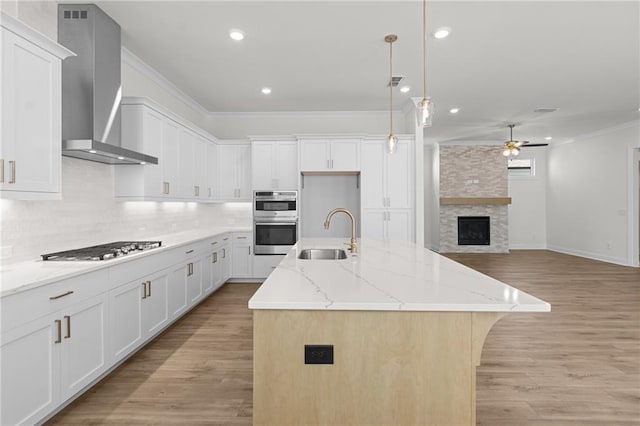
column 318, row 354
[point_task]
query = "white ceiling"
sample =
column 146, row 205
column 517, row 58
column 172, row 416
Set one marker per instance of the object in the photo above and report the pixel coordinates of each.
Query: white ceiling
column 502, row 60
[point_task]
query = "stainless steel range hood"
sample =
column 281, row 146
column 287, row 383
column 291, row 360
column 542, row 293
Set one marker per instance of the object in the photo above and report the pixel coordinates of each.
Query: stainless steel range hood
column 91, row 89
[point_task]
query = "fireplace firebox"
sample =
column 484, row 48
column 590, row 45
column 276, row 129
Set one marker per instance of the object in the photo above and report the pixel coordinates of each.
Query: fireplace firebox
column 473, row 231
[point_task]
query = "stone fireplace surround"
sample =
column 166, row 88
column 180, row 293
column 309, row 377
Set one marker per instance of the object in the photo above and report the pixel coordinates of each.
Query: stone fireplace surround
column 473, row 182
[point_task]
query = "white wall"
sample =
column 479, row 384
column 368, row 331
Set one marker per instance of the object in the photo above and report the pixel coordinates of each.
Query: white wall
column 588, row 195
column 528, row 211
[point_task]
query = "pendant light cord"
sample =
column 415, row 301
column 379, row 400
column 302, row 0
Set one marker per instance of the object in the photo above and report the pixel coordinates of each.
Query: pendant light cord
column 424, row 45
column 391, row 87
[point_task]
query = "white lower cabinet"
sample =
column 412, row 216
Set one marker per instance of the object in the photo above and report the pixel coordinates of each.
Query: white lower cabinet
column 29, row 363
column 55, row 340
column 137, row 310
column 241, row 258
column 263, row 265
column 48, row 360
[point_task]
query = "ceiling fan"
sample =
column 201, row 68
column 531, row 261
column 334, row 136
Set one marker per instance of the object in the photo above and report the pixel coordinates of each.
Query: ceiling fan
column 512, row 147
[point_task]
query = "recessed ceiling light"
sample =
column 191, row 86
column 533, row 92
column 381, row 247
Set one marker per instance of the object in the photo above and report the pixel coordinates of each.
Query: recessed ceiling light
column 143, row 162
column 442, row 32
column 454, row 110
column 92, row 151
column 266, row 90
column 405, row 89
column 120, row 158
column 548, row 138
column 236, row 35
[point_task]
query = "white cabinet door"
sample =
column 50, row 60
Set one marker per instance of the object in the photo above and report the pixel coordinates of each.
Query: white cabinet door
column 235, row 172
column 151, row 142
column 399, row 177
column 177, row 291
column 186, row 145
column 399, row 225
column 263, row 165
column 225, row 259
column 201, row 172
column 207, row 272
column 169, row 160
column 241, row 258
column 213, row 186
column 374, row 223
column 243, row 167
column 29, row 390
column 315, row 155
column 125, row 305
column 287, row 166
column 84, row 342
column 216, row 270
column 345, row 154
column 373, row 182
column 155, row 308
column 274, row 165
column 194, row 281
column 30, row 135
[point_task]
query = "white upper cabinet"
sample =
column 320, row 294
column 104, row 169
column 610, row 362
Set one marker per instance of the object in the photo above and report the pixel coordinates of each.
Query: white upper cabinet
column 186, row 159
column 30, row 113
column 329, row 155
column 274, row 165
column 234, row 171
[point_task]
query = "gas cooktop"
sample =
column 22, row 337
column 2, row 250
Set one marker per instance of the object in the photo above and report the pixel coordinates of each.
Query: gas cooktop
column 104, row 251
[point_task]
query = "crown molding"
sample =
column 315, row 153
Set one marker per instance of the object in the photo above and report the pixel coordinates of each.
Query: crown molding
column 141, row 66
column 300, row 113
column 23, row 30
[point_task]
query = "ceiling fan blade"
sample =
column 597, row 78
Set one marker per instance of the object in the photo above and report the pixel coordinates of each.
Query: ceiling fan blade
column 535, row 144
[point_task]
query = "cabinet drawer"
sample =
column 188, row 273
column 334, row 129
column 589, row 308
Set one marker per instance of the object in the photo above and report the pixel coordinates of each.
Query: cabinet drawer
column 28, row 305
column 143, row 266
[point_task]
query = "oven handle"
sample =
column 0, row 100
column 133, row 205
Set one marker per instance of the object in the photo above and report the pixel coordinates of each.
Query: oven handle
column 276, row 223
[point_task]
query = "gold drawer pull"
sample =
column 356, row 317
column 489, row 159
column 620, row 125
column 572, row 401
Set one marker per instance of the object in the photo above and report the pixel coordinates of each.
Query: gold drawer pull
column 68, row 318
column 190, row 251
column 59, row 327
column 1, row 170
column 144, row 290
column 149, row 287
column 61, row 295
column 13, row 171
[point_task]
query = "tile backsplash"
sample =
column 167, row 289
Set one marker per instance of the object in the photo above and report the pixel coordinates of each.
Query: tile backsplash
column 89, row 214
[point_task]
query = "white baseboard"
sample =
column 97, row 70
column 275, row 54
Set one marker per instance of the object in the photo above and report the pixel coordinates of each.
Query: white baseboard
column 527, row 246
column 588, row 255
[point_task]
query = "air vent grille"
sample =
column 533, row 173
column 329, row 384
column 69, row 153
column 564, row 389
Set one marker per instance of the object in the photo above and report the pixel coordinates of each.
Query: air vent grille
column 395, row 80
column 75, row 14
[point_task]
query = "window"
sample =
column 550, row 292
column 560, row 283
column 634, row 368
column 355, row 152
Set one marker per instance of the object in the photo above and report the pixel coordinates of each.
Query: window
column 521, row 167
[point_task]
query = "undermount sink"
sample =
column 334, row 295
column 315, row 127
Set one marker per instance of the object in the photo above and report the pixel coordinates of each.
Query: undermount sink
column 322, row 254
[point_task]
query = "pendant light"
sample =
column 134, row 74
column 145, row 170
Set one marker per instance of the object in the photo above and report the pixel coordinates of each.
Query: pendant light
column 424, row 110
column 392, row 140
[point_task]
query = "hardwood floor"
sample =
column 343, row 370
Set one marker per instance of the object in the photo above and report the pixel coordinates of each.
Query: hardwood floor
column 578, row 365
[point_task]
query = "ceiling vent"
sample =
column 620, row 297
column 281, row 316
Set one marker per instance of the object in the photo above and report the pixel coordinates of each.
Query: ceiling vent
column 395, row 80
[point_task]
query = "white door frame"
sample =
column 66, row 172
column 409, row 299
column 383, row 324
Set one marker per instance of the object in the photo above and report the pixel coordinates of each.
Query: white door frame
column 633, row 205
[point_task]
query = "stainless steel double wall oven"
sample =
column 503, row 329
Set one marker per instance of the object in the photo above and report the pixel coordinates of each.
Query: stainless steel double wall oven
column 275, row 221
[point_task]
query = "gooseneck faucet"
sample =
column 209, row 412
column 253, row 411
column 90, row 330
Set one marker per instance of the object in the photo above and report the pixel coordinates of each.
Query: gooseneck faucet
column 353, row 246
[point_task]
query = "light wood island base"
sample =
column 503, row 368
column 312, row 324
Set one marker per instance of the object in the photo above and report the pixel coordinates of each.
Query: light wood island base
column 390, row 367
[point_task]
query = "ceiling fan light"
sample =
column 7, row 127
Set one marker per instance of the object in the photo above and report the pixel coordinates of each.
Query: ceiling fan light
column 506, row 152
column 424, row 113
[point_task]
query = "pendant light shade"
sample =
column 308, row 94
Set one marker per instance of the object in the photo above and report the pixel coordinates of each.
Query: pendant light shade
column 392, row 140
column 424, row 110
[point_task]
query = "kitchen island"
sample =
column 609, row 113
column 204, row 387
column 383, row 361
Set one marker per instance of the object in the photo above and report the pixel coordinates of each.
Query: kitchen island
column 400, row 330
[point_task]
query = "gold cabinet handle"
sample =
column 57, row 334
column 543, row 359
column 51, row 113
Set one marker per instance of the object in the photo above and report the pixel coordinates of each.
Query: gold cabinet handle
column 214, row 243
column 196, row 191
column 13, row 171
column 144, row 290
column 224, row 253
column 1, row 170
column 149, row 287
column 214, row 258
column 189, row 251
column 61, row 295
column 68, row 318
column 168, row 187
column 59, row 329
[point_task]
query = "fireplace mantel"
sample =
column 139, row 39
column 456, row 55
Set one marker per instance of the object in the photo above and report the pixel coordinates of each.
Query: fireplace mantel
column 474, row 200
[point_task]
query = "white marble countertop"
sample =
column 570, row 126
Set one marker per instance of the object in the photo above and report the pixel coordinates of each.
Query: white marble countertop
column 393, row 276
column 22, row 276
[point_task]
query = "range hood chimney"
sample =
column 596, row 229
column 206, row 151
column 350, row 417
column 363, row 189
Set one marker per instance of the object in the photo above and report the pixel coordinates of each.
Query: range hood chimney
column 91, row 90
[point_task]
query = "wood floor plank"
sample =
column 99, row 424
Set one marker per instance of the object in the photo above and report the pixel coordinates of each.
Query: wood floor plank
column 577, row 365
